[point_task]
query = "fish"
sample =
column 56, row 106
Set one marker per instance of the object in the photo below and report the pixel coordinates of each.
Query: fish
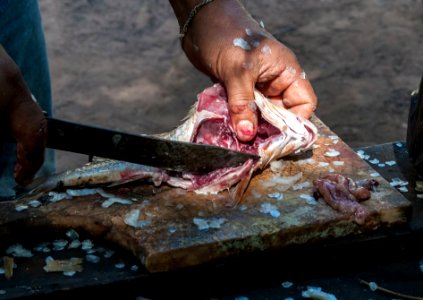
column 280, row 133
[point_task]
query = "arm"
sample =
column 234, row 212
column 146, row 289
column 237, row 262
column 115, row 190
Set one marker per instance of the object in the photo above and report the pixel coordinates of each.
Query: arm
column 24, row 120
column 226, row 43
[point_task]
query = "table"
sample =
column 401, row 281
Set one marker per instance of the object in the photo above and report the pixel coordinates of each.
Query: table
column 390, row 258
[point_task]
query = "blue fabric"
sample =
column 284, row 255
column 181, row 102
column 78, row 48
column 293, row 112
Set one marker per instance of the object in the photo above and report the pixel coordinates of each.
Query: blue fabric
column 3, row 5
column 21, row 34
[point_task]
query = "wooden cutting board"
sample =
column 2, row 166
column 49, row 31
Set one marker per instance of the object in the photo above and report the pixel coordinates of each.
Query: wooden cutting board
column 172, row 229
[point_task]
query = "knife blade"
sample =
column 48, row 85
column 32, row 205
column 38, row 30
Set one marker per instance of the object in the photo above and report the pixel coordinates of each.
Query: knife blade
column 142, row 149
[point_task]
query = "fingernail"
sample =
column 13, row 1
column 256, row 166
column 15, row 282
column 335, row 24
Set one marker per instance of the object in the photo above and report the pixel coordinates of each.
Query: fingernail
column 245, row 129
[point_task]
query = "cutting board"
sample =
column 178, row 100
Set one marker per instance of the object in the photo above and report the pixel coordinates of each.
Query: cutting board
column 168, row 228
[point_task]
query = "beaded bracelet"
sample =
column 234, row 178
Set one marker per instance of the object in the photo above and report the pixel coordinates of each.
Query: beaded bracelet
column 191, row 16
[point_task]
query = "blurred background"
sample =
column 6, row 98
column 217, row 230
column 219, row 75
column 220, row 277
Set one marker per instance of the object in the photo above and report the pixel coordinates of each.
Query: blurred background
column 118, row 64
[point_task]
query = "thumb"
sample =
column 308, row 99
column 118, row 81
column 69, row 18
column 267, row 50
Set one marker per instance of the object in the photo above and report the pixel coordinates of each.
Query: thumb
column 242, row 109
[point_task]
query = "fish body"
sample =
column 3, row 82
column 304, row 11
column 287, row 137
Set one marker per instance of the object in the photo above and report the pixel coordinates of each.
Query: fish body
column 280, row 133
column 100, row 172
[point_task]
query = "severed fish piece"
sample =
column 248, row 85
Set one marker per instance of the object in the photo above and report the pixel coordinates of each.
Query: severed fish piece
column 280, row 133
column 344, row 194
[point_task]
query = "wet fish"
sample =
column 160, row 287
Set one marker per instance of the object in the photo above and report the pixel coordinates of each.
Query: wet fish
column 101, row 172
column 280, row 133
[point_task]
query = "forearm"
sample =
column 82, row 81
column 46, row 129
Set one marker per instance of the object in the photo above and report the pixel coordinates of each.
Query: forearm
column 213, row 29
column 4, row 90
column 12, row 84
column 16, row 102
column 214, row 14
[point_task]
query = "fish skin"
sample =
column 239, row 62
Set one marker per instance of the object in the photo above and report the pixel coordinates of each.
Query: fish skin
column 100, row 172
column 296, row 134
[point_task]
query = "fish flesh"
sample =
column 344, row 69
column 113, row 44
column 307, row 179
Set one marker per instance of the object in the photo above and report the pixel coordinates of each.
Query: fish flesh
column 280, row 133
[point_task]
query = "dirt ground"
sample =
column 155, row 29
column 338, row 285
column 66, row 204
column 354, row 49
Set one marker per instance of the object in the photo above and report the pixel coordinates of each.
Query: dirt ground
column 118, row 64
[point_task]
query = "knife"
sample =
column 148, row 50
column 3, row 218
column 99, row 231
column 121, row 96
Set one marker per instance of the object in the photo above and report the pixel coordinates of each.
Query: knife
column 142, row 149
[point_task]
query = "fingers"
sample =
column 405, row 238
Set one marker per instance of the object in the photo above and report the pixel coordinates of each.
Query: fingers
column 292, row 90
column 242, row 109
column 280, row 82
column 300, row 98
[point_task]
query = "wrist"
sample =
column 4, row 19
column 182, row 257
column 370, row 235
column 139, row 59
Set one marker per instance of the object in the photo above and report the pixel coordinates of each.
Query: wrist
column 185, row 12
column 217, row 24
column 222, row 18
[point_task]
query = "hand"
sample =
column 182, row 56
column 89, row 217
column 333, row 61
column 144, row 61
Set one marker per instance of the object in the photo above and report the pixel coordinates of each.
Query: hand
column 226, row 43
column 25, row 121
